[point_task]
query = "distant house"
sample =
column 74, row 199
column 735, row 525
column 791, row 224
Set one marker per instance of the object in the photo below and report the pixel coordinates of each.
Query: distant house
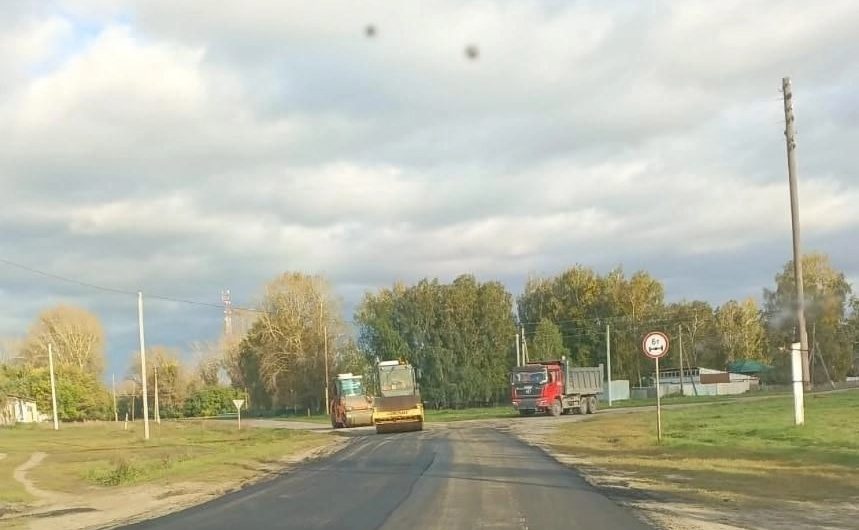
column 18, row 409
column 748, row 367
column 699, row 382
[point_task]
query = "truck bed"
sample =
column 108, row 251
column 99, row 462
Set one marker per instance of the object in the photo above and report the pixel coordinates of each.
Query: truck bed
column 584, row 380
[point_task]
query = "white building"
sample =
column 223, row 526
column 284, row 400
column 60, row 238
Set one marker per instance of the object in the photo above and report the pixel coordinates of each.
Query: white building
column 699, row 382
column 17, row 409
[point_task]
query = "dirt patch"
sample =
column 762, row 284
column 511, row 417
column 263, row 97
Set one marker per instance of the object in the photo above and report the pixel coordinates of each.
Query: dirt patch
column 108, row 507
column 668, row 508
column 20, row 475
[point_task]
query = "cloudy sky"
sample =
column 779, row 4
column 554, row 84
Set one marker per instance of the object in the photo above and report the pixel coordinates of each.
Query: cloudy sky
column 184, row 147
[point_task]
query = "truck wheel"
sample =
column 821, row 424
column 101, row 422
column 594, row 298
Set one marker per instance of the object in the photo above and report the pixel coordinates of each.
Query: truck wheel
column 592, row 405
column 583, row 406
column 555, row 409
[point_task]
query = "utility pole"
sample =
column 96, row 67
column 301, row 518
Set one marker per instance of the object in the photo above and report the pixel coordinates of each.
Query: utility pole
column 157, row 408
column 524, row 347
column 325, row 341
column 680, row 341
column 228, row 312
column 608, row 359
column 143, row 365
column 518, row 359
column 53, row 386
column 790, row 138
column 113, row 391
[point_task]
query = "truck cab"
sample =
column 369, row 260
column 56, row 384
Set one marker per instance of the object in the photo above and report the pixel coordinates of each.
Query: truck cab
column 536, row 386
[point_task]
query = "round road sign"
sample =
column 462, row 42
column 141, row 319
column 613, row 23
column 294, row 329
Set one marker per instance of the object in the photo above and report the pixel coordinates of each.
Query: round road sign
column 655, row 344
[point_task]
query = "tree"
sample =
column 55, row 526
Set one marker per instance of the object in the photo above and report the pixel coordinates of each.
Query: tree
column 80, row 396
column 696, row 322
column 827, row 294
column 173, row 381
column 741, row 332
column 77, row 337
column 458, row 335
column 280, row 362
column 209, row 359
column 548, row 343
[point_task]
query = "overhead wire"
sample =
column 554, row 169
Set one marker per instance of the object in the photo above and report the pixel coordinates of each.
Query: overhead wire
column 115, row 290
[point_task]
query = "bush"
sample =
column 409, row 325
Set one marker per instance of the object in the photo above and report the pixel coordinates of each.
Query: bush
column 121, row 471
column 211, row 401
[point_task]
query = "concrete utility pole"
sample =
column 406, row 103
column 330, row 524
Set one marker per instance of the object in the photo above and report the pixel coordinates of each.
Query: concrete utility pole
column 325, row 342
column 518, row 358
column 53, row 386
column 228, row 312
column 524, row 347
column 113, row 391
column 143, row 365
column 790, row 137
column 680, row 341
column 608, row 359
column 157, row 408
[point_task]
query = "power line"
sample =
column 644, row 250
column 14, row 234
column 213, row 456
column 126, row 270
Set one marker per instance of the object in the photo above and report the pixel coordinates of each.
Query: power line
column 121, row 291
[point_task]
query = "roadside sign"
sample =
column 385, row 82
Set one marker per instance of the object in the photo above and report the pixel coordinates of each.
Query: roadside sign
column 238, row 403
column 655, row 344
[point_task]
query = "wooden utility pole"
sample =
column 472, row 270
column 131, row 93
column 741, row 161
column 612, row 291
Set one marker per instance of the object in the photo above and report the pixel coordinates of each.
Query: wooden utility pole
column 790, row 138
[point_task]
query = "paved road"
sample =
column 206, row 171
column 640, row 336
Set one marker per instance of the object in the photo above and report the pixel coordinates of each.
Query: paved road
column 446, row 477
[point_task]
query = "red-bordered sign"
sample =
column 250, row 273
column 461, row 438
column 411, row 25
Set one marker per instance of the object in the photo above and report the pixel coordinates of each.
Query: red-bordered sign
column 655, row 344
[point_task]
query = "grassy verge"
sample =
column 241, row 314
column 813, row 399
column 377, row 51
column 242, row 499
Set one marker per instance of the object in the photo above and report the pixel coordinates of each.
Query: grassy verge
column 736, row 451
column 93, row 455
column 506, row 411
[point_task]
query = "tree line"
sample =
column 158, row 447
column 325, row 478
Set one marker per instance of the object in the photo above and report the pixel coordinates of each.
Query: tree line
column 460, row 336
column 77, row 342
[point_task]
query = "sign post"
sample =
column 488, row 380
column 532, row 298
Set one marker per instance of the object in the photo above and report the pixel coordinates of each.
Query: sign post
column 238, row 403
column 654, row 346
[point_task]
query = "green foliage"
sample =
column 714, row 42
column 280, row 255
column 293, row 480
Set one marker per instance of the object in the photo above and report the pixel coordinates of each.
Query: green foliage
column 80, row 395
column 458, row 335
column 830, row 323
column 210, row 401
column 581, row 302
column 280, row 362
column 121, row 471
column 548, row 342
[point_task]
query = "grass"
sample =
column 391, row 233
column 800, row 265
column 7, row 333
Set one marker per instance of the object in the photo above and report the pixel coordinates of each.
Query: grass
column 81, row 456
column 506, row 411
column 734, row 451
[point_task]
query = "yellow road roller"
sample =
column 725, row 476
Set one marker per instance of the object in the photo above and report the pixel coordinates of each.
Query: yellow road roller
column 399, row 407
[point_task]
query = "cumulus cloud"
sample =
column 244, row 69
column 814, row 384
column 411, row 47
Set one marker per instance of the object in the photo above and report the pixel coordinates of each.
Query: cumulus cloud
column 183, row 147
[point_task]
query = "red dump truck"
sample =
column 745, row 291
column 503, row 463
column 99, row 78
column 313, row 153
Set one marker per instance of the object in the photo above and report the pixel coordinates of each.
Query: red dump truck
column 555, row 387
